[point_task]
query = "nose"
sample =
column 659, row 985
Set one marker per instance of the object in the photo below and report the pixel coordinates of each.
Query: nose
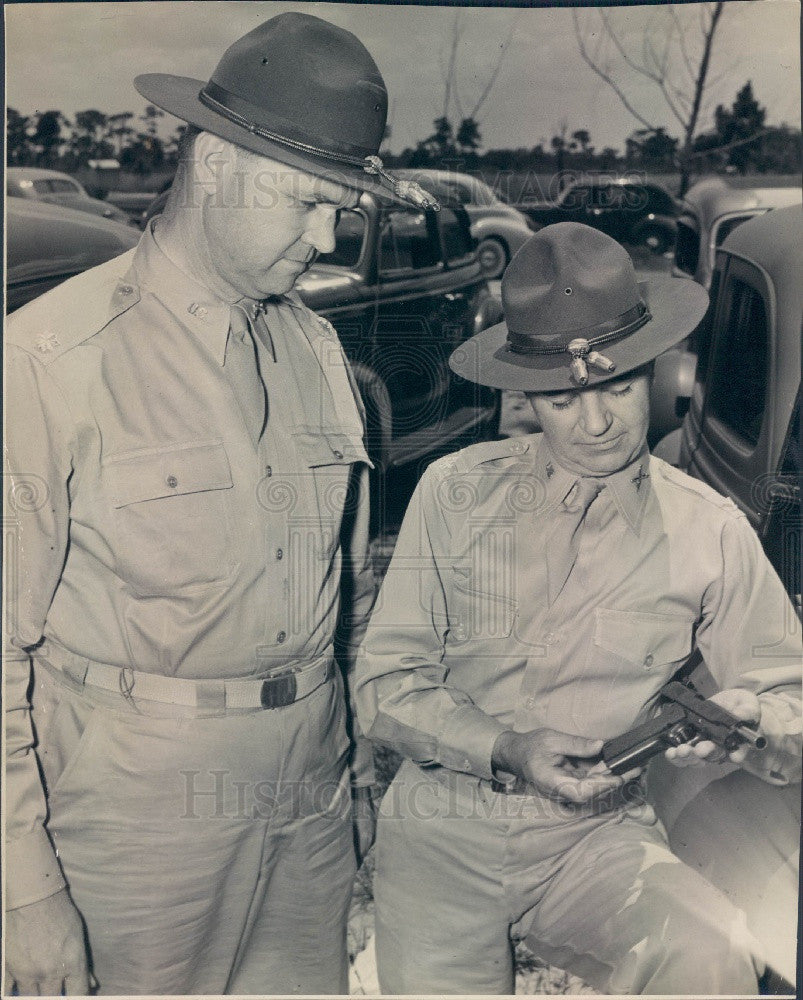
column 595, row 418
column 320, row 229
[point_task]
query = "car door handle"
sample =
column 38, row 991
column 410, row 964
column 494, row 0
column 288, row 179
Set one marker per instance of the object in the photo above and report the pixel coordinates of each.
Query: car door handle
column 454, row 296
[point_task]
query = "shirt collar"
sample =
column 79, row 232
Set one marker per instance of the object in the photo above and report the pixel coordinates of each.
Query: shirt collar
column 193, row 305
column 630, row 487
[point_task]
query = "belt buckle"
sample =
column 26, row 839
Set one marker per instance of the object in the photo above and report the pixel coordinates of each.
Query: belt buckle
column 279, row 690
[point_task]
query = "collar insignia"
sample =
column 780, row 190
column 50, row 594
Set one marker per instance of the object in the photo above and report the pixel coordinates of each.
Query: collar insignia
column 639, row 479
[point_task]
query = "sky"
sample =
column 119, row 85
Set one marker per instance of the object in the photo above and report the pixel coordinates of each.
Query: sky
column 74, row 56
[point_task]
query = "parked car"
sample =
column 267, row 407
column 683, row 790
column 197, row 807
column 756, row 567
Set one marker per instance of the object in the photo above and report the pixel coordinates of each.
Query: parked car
column 58, row 189
column 742, row 431
column 46, row 244
column 631, row 210
column 403, row 288
column 742, row 437
column 498, row 228
column 132, row 203
column 711, row 210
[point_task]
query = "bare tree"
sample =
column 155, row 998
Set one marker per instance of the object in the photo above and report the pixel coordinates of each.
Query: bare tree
column 676, row 59
column 468, row 124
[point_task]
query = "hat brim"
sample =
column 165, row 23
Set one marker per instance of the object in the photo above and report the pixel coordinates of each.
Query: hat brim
column 677, row 305
column 179, row 96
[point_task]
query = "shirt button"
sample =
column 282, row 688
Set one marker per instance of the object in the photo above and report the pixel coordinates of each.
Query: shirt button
column 549, row 638
column 281, row 636
column 336, row 453
column 268, row 470
column 279, row 553
column 467, row 764
column 172, row 482
column 648, row 660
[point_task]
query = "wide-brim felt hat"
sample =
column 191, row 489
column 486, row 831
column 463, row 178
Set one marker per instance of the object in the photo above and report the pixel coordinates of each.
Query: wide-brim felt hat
column 301, row 91
column 576, row 315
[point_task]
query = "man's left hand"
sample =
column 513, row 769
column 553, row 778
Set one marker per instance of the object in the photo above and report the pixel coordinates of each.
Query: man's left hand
column 739, row 702
column 363, row 814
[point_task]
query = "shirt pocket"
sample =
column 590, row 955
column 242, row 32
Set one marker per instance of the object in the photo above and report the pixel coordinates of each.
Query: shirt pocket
column 643, row 638
column 478, row 611
column 173, row 515
column 633, row 654
column 326, row 487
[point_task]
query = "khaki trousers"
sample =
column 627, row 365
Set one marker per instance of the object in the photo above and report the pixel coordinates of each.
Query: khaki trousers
column 206, row 854
column 462, row 872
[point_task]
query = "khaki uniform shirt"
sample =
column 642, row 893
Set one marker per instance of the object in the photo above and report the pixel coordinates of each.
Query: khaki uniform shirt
column 463, row 645
column 146, row 529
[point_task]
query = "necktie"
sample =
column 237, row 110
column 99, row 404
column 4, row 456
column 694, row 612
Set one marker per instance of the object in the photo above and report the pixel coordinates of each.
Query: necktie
column 564, row 540
column 242, row 368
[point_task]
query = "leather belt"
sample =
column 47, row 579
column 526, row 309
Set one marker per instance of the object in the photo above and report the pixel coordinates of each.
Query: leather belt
column 288, row 684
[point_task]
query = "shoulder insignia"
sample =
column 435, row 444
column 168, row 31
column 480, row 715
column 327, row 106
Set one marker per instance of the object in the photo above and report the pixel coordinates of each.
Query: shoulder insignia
column 491, row 451
column 327, row 329
column 74, row 311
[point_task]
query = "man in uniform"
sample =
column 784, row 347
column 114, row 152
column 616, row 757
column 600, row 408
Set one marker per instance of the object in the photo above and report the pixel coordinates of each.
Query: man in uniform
column 189, row 488
column 541, row 593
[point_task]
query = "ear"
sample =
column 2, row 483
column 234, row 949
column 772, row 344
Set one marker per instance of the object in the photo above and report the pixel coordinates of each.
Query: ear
column 215, row 161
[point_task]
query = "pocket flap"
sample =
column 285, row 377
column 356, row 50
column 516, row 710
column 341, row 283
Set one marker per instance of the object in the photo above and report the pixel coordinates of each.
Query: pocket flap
column 642, row 637
column 166, row 472
column 331, row 448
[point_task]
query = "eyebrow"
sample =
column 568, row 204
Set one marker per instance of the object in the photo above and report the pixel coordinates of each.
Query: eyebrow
column 348, row 199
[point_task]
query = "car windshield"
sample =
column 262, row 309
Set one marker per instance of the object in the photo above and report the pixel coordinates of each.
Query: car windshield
column 56, row 185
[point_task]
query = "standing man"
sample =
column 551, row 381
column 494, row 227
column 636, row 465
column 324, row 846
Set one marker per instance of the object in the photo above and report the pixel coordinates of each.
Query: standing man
column 541, row 593
column 189, row 485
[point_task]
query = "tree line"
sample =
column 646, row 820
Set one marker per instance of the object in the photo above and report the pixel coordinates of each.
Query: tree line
column 50, row 139
column 739, row 140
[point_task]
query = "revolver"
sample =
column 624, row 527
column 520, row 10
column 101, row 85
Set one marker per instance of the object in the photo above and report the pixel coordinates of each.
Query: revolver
column 686, row 716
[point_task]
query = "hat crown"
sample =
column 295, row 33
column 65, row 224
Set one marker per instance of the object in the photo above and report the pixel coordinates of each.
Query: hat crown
column 308, row 80
column 566, row 279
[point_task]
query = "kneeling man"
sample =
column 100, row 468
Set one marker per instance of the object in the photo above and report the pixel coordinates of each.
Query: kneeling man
column 542, row 592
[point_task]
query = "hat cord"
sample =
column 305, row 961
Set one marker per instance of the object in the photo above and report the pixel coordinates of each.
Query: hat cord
column 406, row 190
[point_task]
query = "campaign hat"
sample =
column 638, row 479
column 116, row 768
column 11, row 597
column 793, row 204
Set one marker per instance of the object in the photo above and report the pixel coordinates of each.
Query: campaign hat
column 299, row 90
column 575, row 315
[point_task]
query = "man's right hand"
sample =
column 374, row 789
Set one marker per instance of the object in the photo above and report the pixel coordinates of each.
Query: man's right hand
column 46, row 949
column 559, row 765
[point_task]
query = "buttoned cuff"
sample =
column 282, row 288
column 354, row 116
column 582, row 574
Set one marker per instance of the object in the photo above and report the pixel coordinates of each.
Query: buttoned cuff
column 467, row 741
column 34, row 872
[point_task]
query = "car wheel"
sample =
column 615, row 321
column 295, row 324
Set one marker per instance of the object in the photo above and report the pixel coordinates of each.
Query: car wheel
column 493, row 257
column 656, row 240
